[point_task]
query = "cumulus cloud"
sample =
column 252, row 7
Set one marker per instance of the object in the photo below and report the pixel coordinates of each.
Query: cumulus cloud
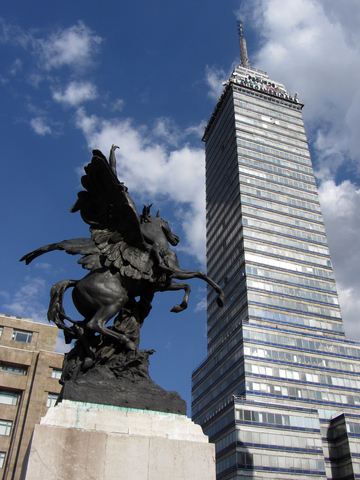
column 39, row 125
column 74, row 46
column 341, row 206
column 25, row 302
column 151, row 170
column 76, row 93
column 214, row 78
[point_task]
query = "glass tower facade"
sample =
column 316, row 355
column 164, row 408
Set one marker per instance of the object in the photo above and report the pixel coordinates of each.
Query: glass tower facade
column 279, row 391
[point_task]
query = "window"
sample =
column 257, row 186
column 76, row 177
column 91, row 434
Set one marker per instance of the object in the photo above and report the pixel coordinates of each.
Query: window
column 2, row 459
column 1, row 331
column 5, row 427
column 56, row 373
column 8, row 398
column 17, row 369
column 51, row 400
column 21, row 336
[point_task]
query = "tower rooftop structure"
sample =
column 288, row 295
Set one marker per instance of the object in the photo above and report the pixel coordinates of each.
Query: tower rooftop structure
column 279, row 392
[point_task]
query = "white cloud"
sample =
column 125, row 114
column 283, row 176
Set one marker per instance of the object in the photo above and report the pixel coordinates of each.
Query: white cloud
column 13, row 34
column 118, row 105
column 153, row 172
column 16, row 66
column 341, row 206
column 76, row 93
column 74, row 46
column 25, row 303
column 39, row 126
column 201, row 306
column 214, row 78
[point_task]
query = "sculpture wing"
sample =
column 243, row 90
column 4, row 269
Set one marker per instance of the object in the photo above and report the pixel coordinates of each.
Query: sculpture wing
column 114, row 222
column 77, row 246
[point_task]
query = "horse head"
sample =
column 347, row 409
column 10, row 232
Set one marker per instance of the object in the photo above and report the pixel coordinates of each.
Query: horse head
column 170, row 236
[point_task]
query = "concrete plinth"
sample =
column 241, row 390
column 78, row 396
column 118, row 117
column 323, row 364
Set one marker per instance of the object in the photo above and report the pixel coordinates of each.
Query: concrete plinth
column 79, row 441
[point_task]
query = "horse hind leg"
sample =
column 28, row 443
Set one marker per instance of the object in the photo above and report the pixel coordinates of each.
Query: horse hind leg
column 98, row 321
column 180, row 286
column 187, row 274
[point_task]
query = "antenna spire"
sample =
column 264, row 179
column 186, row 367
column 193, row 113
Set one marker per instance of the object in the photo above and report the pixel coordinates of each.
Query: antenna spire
column 244, row 59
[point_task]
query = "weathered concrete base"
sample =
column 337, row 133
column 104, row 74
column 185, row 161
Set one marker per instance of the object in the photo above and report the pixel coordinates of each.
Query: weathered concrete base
column 79, row 441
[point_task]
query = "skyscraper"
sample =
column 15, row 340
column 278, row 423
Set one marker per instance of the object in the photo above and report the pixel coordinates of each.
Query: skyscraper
column 279, row 391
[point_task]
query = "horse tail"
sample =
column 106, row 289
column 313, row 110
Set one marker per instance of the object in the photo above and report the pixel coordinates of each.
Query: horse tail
column 56, row 312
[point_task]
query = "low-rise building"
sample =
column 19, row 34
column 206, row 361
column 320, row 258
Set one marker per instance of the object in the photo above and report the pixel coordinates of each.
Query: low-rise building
column 29, row 384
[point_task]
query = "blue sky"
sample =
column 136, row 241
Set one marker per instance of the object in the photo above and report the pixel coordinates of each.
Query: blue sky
column 146, row 76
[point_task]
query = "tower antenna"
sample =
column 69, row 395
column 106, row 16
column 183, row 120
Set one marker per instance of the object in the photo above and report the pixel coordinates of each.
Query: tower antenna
column 244, row 59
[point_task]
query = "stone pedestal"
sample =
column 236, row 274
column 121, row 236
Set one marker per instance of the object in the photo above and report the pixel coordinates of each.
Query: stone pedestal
column 83, row 441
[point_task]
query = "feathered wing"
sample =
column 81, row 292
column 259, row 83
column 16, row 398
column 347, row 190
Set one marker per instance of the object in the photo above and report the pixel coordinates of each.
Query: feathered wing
column 114, row 221
column 77, row 246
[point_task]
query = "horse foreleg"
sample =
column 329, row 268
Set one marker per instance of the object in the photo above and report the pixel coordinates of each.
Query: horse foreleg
column 187, row 274
column 179, row 286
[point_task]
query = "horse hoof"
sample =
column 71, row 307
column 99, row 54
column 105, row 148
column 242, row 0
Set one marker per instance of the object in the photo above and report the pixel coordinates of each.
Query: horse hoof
column 220, row 300
column 177, row 309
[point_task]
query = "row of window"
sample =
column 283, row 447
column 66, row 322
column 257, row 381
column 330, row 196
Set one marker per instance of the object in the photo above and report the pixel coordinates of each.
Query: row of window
column 315, row 207
column 334, row 327
column 311, row 197
column 277, row 419
column 255, row 298
column 287, row 278
column 223, row 230
column 237, row 376
column 290, row 166
column 293, row 292
column 301, row 343
column 271, row 440
column 258, row 119
column 273, row 462
column 302, row 376
column 202, row 372
column 246, row 157
column 283, row 139
column 269, row 177
column 276, row 207
column 236, row 233
column 243, row 122
column 22, row 336
column 220, row 372
column 288, row 231
column 224, row 201
column 268, row 103
column 268, row 216
column 20, row 370
column 251, row 106
column 235, row 260
column 304, row 158
column 15, row 369
column 306, row 360
column 287, row 254
column 280, row 264
column 235, row 280
column 226, row 319
column 302, row 393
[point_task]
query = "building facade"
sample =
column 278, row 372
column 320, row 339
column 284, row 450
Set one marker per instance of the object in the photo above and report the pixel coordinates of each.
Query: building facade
column 29, row 384
column 279, row 391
